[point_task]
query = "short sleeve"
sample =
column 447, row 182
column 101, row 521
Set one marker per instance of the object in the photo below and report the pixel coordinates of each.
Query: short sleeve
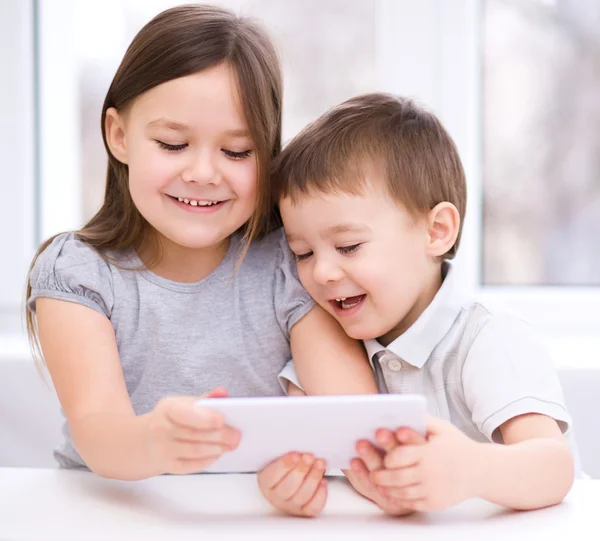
column 292, row 301
column 288, row 375
column 71, row 270
column 508, row 372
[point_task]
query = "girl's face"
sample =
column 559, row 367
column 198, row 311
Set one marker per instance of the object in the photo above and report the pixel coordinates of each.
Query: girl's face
column 192, row 165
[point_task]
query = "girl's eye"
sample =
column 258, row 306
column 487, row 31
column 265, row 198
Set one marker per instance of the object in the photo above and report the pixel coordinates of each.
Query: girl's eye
column 236, row 155
column 348, row 249
column 171, row 148
column 303, row 257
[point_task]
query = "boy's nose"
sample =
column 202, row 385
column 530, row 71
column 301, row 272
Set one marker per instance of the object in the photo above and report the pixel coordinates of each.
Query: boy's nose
column 325, row 272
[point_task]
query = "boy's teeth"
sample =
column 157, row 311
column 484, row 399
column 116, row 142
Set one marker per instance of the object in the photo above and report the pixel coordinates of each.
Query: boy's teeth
column 341, row 299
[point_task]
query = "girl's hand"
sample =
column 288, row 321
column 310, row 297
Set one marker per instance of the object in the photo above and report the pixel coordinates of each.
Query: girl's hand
column 295, row 484
column 184, row 438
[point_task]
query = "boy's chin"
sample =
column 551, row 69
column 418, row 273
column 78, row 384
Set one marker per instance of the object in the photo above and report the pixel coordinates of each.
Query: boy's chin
column 358, row 332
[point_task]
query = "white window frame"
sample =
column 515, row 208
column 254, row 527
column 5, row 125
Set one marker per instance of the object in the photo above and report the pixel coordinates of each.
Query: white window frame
column 430, row 50
column 17, row 155
column 442, row 67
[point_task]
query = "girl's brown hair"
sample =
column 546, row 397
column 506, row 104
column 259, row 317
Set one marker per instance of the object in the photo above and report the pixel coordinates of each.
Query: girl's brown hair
column 179, row 42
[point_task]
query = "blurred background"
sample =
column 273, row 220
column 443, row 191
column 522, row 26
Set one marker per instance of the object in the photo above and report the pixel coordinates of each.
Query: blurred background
column 516, row 82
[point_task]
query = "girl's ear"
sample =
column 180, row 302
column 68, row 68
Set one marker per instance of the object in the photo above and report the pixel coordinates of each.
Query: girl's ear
column 443, row 228
column 114, row 125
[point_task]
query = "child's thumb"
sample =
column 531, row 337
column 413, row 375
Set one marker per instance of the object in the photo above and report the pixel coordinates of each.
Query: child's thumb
column 218, row 392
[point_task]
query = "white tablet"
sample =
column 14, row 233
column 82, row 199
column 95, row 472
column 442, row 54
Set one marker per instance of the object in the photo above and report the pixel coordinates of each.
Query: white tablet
column 326, row 426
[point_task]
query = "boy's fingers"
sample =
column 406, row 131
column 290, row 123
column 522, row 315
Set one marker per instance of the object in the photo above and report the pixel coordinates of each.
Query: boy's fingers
column 396, row 478
column 403, row 457
column 406, row 494
column 370, row 455
column 410, row 437
column 311, row 483
column 316, row 505
column 274, row 472
column 291, row 483
column 386, row 440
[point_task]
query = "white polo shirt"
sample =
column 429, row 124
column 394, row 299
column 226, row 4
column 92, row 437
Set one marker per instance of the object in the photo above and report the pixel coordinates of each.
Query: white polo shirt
column 475, row 368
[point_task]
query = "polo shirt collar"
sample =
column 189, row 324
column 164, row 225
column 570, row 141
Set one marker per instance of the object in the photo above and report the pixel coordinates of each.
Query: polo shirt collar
column 417, row 343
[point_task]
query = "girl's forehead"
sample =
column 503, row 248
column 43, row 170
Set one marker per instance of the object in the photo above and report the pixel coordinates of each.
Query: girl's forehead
column 211, row 94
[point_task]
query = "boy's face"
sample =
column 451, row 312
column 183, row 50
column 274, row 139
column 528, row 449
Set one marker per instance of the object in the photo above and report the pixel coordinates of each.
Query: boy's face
column 367, row 250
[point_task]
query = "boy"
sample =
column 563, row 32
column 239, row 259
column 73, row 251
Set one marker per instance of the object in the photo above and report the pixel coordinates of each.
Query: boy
column 372, row 197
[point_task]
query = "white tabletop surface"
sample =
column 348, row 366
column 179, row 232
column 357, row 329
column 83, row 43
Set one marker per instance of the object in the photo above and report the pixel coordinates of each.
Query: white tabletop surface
column 70, row 505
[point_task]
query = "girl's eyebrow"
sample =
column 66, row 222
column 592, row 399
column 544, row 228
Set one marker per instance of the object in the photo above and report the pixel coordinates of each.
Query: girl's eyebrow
column 169, row 124
column 178, row 126
column 238, row 133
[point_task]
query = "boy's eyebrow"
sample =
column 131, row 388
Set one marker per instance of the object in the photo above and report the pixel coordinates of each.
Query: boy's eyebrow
column 336, row 230
column 347, row 228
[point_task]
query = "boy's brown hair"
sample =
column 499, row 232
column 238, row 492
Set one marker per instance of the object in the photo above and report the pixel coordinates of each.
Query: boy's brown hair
column 381, row 136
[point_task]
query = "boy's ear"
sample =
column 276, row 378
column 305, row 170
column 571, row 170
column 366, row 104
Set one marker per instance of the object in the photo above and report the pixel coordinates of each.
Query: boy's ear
column 114, row 126
column 443, row 228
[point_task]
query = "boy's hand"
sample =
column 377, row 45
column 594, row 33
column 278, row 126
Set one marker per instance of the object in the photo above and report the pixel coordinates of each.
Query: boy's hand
column 184, row 438
column 433, row 476
column 295, row 484
column 371, row 461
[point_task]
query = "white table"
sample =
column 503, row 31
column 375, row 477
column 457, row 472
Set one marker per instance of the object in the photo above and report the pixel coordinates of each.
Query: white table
column 69, row 505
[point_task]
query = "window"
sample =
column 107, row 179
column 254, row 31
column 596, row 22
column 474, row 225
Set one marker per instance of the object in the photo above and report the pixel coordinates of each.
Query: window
column 541, row 142
column 17, row 155
column 514, row 81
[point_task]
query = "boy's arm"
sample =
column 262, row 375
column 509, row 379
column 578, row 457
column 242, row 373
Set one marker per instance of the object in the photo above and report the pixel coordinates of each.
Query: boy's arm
column 534, row 468
column 511, row 388
column 327, row 360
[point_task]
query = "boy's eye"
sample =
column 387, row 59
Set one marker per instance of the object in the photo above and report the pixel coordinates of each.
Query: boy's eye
column 348, row 249
column 236, row 155
column 171, row 148
column 303, row 257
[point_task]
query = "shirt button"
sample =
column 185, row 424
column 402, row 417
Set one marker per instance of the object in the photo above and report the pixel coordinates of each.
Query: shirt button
column 395, row 365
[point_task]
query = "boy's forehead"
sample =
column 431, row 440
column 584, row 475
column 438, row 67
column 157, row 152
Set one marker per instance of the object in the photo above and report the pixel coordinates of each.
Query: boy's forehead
column 335, row 194
column 327, row 215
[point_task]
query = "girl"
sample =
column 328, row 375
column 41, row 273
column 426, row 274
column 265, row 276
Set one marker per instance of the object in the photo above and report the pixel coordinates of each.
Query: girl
column 179, row 283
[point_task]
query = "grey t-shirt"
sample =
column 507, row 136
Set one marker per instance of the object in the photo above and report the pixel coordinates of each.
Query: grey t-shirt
column 230, row 329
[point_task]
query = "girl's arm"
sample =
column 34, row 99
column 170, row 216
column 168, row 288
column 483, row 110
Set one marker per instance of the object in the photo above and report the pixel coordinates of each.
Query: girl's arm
column 80, row 351
column 327, row 360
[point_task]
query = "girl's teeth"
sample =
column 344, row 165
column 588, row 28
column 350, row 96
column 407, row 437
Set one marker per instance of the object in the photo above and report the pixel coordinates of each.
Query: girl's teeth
column 195, row 203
